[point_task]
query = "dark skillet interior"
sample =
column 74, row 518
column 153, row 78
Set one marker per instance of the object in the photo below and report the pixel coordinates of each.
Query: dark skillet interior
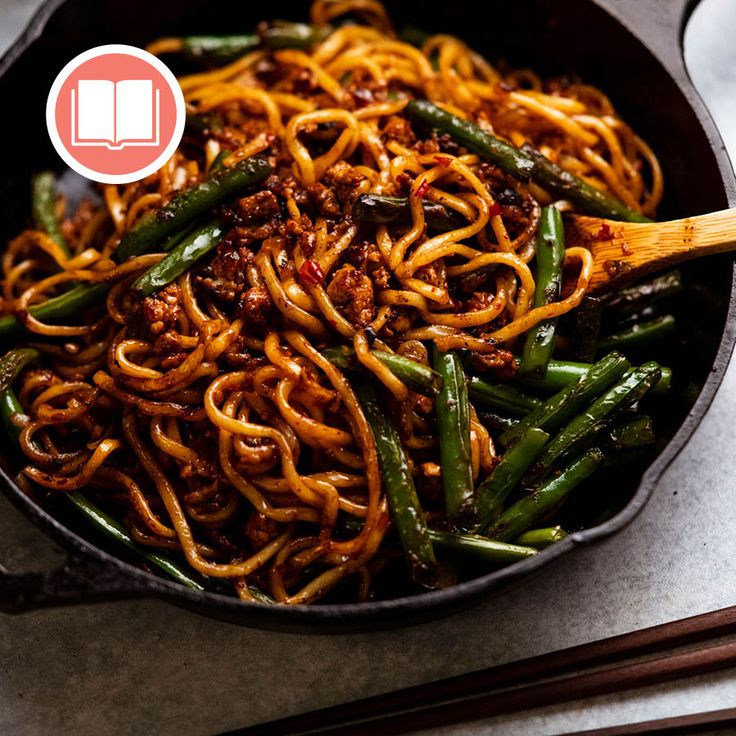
column 569, row 36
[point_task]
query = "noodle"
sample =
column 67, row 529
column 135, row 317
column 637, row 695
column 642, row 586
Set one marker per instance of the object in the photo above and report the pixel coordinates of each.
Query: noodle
column 206, row 416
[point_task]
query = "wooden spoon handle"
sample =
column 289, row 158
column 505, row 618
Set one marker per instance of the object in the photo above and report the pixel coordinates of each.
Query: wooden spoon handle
column 626, row 251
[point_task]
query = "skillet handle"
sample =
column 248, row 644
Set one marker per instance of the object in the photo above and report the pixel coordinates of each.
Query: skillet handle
column 660, row 24
column 81, row 579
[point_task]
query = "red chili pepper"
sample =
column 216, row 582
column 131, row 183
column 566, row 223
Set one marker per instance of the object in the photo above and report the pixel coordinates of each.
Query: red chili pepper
column 443, row 160
column 605, row 233
column 422, row 190
column 494, row 209
column 310, row 273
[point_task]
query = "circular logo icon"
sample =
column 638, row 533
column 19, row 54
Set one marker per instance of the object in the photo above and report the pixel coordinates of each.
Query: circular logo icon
column 115, row 114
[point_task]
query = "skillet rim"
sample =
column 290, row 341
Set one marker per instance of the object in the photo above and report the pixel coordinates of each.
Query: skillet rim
column 134, row 582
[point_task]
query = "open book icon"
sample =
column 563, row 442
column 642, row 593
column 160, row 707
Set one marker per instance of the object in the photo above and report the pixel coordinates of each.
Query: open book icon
column 115, row 114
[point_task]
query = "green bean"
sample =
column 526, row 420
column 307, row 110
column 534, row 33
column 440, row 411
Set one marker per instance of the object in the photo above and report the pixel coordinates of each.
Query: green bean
column 550, row 254
column 561, row 373
column 453, row 429
column 219, row 49
column 584, row 196
column 495, row 423
column 489, row 550
column 418, row 377
column 116, row 531
column 494, row 490
column 68, row 304
column 181, row 259
column 146, row 234
column 584, row 328
column 467, row 134
column 642, row 333
column 12, row 363
column 218, row 163
column 524, row 164
column 541, row 538
column 398, row 483
column 470, row 544
column 627, row 302
column 150, row 231
column 43, row 187
column 503, row 398
column 554, row 412
column 582, row 429
column 171, row 243
column 384, row 210
column 203, row 122
column 633, row 432
column 285, row 35
column 9, row 409
column 519, row 517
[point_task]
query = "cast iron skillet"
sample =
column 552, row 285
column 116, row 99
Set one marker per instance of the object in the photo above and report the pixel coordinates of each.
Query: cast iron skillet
column 630, row 48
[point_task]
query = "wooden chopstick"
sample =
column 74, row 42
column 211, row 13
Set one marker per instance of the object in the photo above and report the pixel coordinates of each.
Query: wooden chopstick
column 472, row 695
column 692, row 723
column 527, row 697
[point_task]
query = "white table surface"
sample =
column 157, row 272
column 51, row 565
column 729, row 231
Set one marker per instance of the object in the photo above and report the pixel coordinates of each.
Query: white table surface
column 145, row 667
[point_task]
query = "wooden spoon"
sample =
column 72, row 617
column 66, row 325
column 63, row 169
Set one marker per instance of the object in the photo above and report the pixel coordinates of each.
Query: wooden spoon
column 626, row 251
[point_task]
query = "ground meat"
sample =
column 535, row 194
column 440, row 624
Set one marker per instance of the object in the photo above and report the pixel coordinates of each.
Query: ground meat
column 267, row 71
column 225, row 275
column 516, row 209
column 250, row 234
column 399, row 129
column 218, row 537
column 283, row 183
column 299, row 232
column 434, row 274
column 499, row 363
column 494, row 178
column 238, row 356
column 401, row 322
column 161, row 311
column 299, row 81
column 168, row 342
column 364, row 90
column 254, row 218
column 510, row 197
column 404, row 182
column 345, row 181
column 448, row 145
column 260, row 530
column 356, row 254
column 479, row 300
column 361, row 96
column 258, row 208
column 428, row 145
column 324, row 200
column 381, row 277
column 256, row 307
column 353, row 292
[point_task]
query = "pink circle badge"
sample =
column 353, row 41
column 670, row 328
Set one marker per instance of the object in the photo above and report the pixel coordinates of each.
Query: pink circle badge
column 115, row 114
